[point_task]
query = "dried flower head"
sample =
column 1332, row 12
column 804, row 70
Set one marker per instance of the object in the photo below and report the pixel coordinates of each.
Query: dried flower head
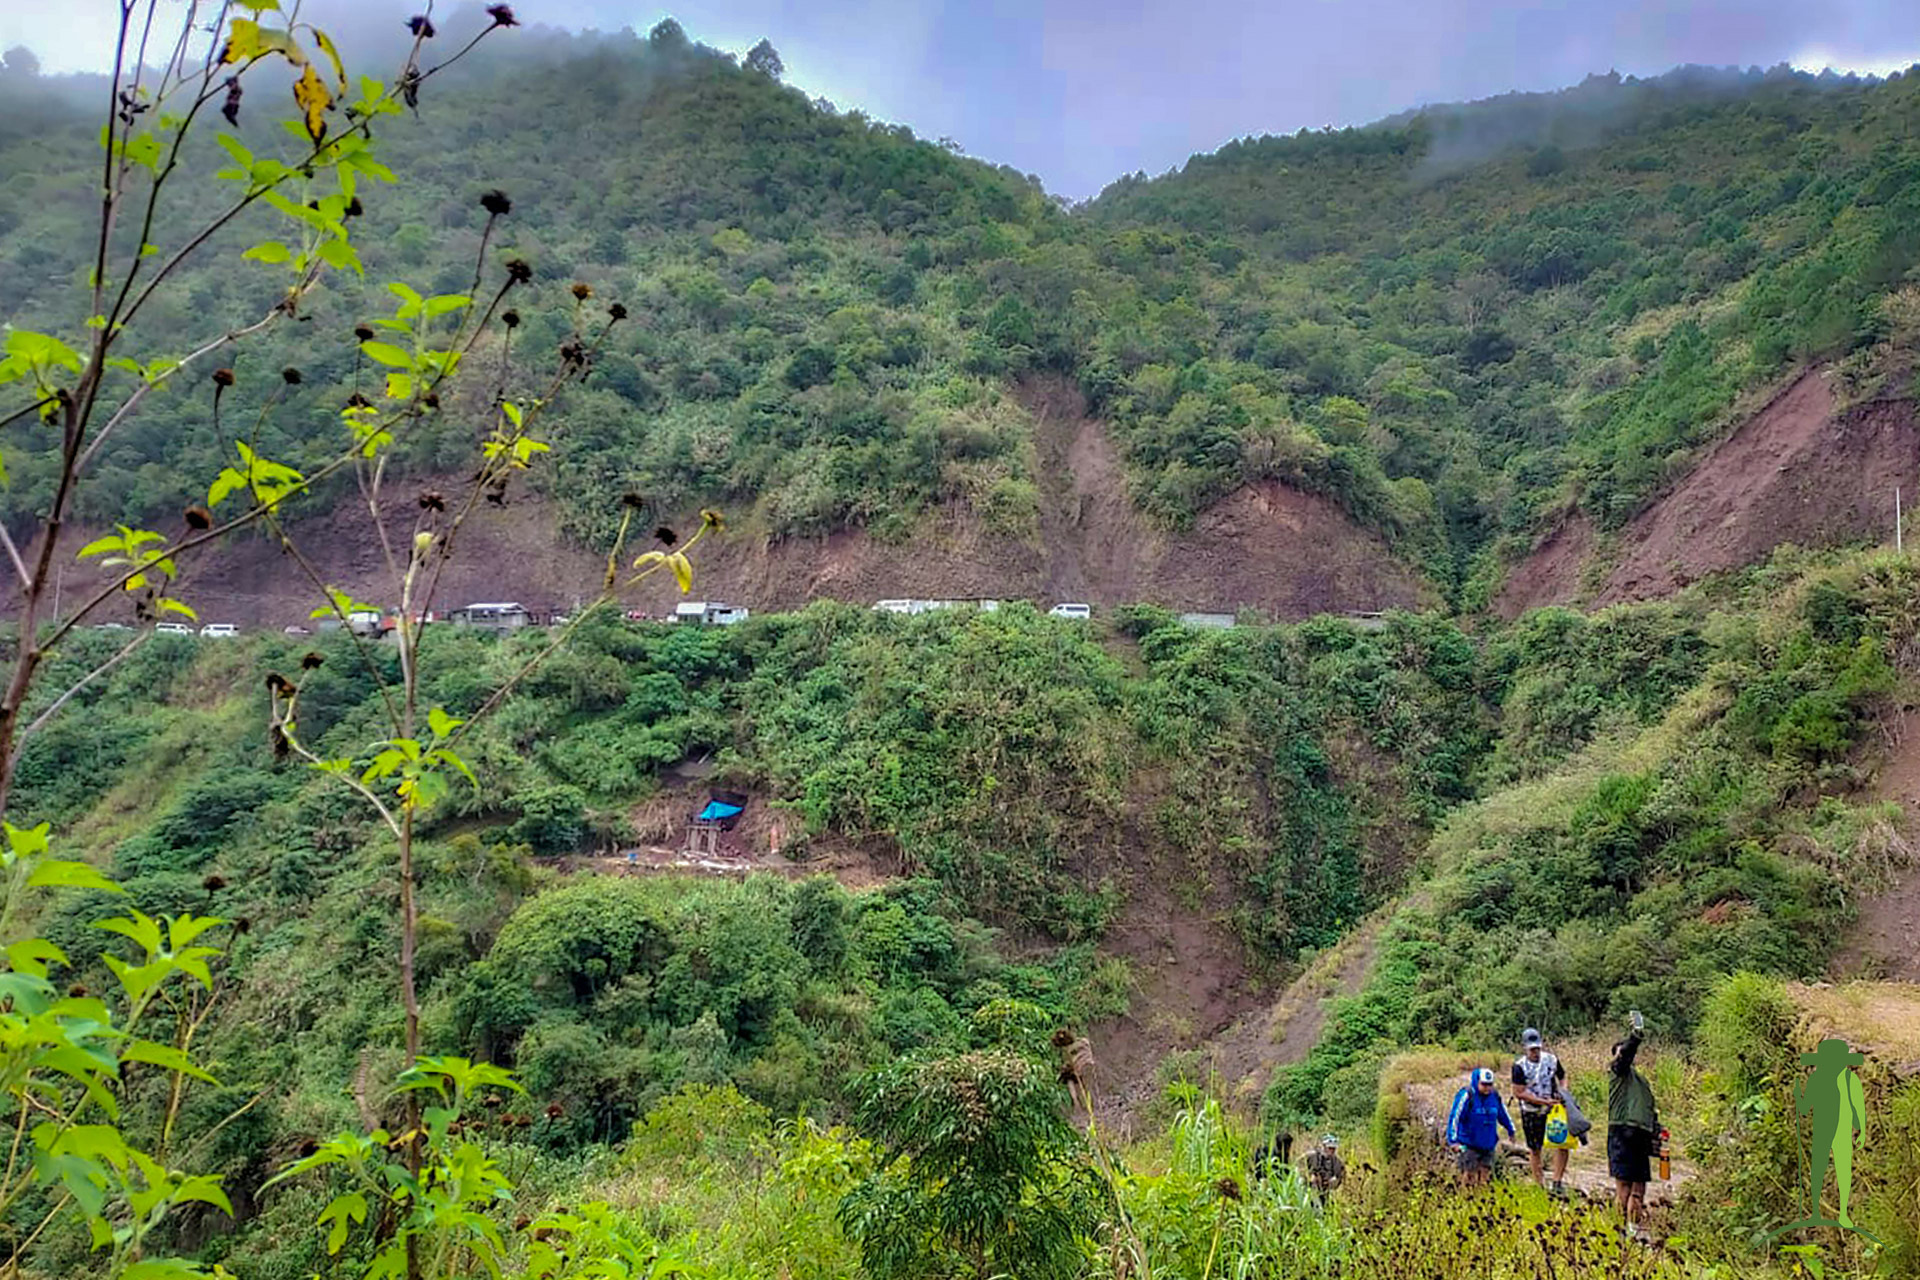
column 502, row 15
column 666, row 536
column 431, row 500
column 354, row 208
column 311, row 661
column 78, row 990
column 496, row 203
column 518, row 271
column 582, row 290
column 1227, row 1189
column 617, row 311
column 278, row 684
column 633, row 501
column 511, row 319
column 291, row 376
column 554, row 1111
column 214, row 882
column 358, row 401
column 421, row 25
column 712, row 519
column 198, row 518
column 1062, row 1038
column 231, row 107
column 363, row 332
column 431, row 400
column 223, row 378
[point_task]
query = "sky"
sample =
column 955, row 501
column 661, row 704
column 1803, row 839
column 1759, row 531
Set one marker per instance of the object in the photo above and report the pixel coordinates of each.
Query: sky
column 1081, row 92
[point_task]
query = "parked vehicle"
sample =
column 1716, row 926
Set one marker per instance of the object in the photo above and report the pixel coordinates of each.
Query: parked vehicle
column 174, row 629
column 1078, row 612
column 295, row 630
column 219, row 631
column 710, row 613
column 111, row 626
column 636, row 615
column 501, row 616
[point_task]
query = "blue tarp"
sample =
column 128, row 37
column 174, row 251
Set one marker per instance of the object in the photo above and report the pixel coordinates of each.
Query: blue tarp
column 715, row 811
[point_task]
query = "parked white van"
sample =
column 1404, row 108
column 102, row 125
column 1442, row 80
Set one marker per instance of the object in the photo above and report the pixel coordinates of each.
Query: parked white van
column 1078, row 612
column 219, row 631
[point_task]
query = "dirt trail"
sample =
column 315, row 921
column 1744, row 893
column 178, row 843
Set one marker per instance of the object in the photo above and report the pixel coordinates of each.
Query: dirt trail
column 1885, row 941
column 1429, row 1101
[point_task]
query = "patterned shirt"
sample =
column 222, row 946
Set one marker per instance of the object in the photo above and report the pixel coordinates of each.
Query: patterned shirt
column 1537, row 1078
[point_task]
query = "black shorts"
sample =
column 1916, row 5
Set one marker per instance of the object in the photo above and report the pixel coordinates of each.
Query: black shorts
column 1629, row 1153
column 1534, row 1125
column 1472, row 1158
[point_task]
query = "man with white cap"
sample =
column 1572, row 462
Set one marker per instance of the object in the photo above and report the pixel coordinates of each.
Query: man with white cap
column 1325, row 1169
column 1474, row 1123
column 1538, row 1079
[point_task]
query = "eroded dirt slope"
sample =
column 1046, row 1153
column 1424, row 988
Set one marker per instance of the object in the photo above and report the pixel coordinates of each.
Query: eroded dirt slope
column 1801, row 470
column 1266, row 547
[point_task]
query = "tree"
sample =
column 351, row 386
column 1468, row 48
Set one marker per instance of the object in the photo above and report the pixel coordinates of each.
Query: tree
column 667, row 35
column 980, row 1172
column 22, row 61
column 765, row 59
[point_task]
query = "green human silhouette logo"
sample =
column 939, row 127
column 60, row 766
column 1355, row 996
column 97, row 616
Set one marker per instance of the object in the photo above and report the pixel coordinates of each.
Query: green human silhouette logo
column 1833, row 1096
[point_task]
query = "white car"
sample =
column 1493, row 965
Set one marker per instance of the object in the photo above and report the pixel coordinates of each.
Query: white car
column 219, row 631
column 173, row 629
column 1078, row 612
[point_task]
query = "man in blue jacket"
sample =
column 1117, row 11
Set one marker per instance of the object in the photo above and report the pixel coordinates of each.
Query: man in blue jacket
column 1474, row 1124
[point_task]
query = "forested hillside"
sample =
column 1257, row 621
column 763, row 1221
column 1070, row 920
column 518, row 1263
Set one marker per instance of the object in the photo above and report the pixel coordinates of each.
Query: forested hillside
column 380, row 947
column 1457, row 325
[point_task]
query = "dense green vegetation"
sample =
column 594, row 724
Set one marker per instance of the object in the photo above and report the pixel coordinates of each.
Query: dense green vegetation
column 1454, row 323
column 1720, row 839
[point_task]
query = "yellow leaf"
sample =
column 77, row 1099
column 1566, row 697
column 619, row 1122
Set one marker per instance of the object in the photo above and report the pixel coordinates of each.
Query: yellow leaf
column 333, row 55
column 311, row 95
column 682, row 571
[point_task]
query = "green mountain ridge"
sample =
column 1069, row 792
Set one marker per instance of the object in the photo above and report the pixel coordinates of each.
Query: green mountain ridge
column 827, row 309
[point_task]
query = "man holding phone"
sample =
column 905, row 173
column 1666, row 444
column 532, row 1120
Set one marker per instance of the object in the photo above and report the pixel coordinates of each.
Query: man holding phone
column 1633, row 1129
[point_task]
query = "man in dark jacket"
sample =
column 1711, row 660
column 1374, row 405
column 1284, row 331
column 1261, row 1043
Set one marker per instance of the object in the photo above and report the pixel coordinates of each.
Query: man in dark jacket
column 1474, row 1124
column 1633, row 1129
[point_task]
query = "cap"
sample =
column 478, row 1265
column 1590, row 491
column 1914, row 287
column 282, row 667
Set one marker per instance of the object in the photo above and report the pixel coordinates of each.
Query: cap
column 1482, row 1075
column 1531, row 1037
column 1329, row 1141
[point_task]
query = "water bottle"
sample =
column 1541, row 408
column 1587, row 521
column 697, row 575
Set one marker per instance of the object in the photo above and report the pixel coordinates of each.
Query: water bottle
column 1666, row 1159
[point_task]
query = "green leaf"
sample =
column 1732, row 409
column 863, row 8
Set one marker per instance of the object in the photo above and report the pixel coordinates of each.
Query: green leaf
column 31, row 956
column 441, row 304
column 399, row 385
column 271, row 252
column 27, row 842
column 175, row 606
column 340, row 255
column 351, row 1207
column 387, row 353
column 166, row 1057
column 59, row 874
column 512, row 411
column 441, row 723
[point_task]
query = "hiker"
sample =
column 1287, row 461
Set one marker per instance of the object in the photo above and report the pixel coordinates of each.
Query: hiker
column 1537, row 1080
column 1325, row 1171
column 1633, row 1130
column 1276, row 1150
column 1474, row 1124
